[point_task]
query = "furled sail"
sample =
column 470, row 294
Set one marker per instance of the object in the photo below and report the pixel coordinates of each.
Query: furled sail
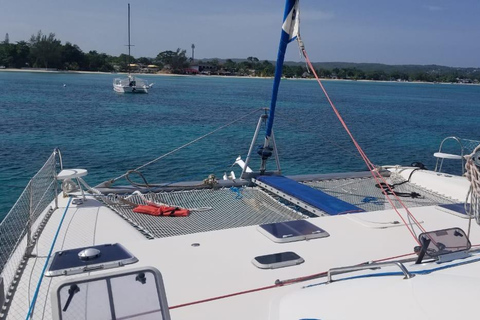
column 290, row 31
column 291, row 23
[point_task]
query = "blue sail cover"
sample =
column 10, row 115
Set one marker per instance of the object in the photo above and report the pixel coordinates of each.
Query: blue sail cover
column 311, row 196
column 290, row 29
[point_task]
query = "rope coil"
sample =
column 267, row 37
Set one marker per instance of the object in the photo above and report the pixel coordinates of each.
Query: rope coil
column 472, row 172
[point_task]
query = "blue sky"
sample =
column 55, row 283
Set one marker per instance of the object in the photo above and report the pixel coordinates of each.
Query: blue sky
column 445, row 32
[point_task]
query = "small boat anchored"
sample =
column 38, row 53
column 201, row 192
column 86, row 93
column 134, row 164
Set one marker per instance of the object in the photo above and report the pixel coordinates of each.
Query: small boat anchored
column 130, row 84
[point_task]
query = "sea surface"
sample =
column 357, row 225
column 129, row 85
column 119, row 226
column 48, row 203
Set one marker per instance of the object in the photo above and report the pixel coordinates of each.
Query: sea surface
column 109, row 133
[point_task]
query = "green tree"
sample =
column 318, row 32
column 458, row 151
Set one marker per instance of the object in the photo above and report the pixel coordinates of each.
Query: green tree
column 230, row 65
column 7, row 52
column 251, row 63
column 72, row 57
column 299, row 71
column 214, row 63
column 267, row 69
column 22, row 54
column 341, row 74
column 324, row 73
column 176, row 60
column 288, row 72
column 121, row 61
column 144, row 60
column 358, row 74
column 376, row 75
column 98, row 61
column 45, row 50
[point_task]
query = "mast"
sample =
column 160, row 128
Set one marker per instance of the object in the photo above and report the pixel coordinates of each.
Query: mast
column 129, row 45
column 129, row 32
column 289, row 33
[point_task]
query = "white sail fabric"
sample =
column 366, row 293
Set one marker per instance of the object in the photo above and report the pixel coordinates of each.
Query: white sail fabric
column 291, row 25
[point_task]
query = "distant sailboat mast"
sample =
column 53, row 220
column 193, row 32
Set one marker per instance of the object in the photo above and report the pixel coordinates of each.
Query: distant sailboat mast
column 290, row 30
column 130, row 84
column 128, row 45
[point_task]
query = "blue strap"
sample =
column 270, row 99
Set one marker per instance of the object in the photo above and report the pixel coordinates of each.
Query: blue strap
column 34, row 300
column 238, row 191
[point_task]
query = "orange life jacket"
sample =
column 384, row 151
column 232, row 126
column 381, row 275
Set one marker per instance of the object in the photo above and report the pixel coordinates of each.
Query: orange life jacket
column 162, row 211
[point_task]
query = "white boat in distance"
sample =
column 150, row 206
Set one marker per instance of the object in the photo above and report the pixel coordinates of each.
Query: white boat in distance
column 394, row 242
column 130, row 84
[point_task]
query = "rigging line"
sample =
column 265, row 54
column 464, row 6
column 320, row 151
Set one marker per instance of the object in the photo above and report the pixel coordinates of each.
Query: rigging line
column 187, row 144
column 61, row 248
column 278, row 284
column 188, row 178
column 46, row 257
column 35, row 296
column 369, row 164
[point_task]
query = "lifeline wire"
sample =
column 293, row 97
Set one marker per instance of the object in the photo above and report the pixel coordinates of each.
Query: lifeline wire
column 34, row 300
column 187, row 144
column 369, row 164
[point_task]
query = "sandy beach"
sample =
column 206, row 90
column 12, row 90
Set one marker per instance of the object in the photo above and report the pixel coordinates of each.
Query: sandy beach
column 120, row 74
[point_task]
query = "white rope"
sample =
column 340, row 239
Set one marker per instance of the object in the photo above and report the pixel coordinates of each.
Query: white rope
column 472, row 168
column 187, row 144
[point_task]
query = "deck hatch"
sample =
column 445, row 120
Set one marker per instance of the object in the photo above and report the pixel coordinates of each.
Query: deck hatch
column 291, row 231
column 126, row 294
column 444, row 245
column 73, row 261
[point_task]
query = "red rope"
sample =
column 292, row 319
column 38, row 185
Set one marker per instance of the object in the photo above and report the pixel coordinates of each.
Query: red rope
column 377, row 176
column 283, row 282
column 276, row 285
column 223, row 297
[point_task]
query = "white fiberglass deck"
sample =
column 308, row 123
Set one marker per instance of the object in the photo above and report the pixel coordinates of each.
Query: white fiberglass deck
column 203, row 268
column 221, row 262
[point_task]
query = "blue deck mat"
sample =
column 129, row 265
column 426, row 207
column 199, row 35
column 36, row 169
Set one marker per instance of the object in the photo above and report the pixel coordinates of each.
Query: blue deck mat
column 457, row 207
column 311, row 196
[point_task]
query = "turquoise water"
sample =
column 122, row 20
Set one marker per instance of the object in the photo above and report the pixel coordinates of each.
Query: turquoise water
column 108, row 133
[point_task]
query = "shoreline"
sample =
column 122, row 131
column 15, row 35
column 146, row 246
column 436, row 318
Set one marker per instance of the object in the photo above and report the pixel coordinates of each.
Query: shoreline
column 216, row 76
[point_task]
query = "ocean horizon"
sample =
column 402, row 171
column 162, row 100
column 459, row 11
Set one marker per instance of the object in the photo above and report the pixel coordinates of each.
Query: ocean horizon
column 108, row 133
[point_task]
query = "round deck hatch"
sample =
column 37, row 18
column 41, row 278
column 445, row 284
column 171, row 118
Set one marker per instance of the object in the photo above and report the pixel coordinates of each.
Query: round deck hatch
column 89, row 254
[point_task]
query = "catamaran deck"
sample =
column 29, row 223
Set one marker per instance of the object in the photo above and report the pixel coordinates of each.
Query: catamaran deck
column 228, row 208
column 217, row 209
column 199, row 265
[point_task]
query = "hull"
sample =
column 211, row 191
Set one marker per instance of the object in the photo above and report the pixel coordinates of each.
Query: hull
column 201, row 256
column 127, row 89
column 131, row 84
